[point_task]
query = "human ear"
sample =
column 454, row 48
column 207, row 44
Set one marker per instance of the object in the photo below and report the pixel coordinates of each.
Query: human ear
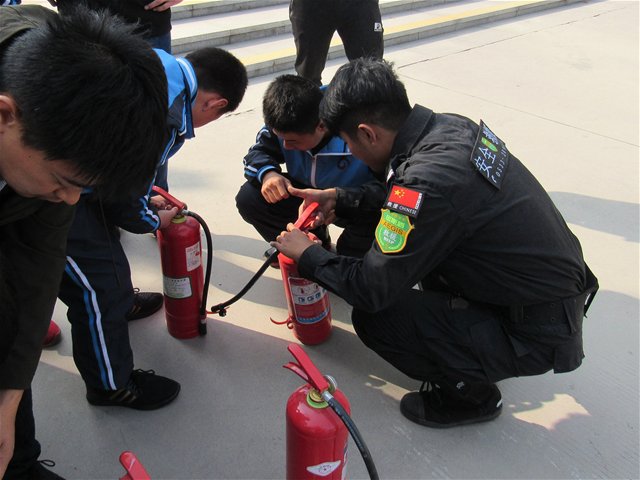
column 217, row 103
column 8, row 110
column 367, row 134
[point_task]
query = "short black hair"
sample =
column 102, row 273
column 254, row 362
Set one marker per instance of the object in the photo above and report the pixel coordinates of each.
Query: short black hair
column 90, row 92
column 217, row 70
column 364, row 90
column 291, row 104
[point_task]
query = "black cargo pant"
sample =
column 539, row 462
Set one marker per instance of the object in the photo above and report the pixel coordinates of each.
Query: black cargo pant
column 269, row 219
column 358, row 22
column 435, row 336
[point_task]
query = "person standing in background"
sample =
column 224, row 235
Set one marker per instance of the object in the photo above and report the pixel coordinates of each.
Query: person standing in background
column 153, row 17
column 358, row 22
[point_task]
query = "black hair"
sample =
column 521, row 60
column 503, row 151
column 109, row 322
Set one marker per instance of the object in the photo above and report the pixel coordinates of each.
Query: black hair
column 219, row 71
column 364, row 90
column 91, row 93
column 291, row 104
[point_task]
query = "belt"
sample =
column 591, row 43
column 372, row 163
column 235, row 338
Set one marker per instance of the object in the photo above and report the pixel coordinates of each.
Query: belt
column 554, row 311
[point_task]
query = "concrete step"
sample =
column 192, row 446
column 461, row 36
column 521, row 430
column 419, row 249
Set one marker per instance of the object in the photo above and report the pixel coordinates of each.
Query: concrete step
column 245, row 27
column 224, row 22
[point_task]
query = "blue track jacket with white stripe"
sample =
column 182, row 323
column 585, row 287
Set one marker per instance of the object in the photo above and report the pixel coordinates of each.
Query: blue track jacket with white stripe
column 137, row 215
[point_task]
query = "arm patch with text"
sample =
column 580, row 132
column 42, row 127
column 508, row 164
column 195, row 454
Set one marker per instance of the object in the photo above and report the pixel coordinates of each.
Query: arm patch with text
column 404, row 200
column 490, row 156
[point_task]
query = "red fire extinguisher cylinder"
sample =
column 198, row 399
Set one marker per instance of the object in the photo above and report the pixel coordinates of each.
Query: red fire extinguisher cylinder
column 308, row 302
column 183, row 278
column 317, row 439
column 182, row 271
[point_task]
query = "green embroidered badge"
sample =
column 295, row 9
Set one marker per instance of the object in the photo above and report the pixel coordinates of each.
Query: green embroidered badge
column 392, row 231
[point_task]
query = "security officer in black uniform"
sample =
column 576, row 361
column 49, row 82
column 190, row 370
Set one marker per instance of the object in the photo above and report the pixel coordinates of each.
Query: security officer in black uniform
column 504, row 286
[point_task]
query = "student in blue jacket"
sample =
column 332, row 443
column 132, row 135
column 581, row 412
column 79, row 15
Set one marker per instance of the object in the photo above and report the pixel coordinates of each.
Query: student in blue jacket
column 97, row 284
column 294, row 137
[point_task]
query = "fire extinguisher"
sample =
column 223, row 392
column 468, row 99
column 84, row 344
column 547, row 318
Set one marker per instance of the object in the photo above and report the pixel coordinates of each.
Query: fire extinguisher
column 317, row 438
column 184, row 285
column 308, row 302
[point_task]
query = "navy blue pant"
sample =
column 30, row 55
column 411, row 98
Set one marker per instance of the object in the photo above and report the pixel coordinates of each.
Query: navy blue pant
column 97, row 289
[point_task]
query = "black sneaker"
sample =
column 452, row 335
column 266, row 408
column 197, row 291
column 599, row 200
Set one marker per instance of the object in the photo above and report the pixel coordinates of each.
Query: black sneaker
column 144, row 391
column 437, row 407
column 144, row 304
column 39, row 472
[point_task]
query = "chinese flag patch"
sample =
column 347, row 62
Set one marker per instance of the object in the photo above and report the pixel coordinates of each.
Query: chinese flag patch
column 404, row 200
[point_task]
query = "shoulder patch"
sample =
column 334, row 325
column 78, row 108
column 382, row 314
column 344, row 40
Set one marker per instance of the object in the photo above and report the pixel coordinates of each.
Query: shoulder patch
column 404, row 200
column 490, row 156
column 392, row 231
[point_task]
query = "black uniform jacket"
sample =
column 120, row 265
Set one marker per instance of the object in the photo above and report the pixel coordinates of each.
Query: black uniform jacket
column 33, row 237
column 503, row 244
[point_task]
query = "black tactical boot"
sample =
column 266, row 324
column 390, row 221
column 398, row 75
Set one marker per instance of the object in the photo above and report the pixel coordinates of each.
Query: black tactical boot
column 444, row 406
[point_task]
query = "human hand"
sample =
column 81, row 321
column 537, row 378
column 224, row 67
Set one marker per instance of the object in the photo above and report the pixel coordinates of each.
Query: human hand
column 275, row 187
column 166, row 216
column 159, row 5
column 159, row 202
column 292, row 243
column 326, row 200
column 9, row 401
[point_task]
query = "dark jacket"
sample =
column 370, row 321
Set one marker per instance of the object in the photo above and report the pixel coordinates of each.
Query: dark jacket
column 33, row 236
column 150, row 23
column 333, row 165
column 503, row 244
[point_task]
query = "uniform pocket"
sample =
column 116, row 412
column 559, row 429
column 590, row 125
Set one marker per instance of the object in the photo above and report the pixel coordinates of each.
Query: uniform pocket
column 494, row 349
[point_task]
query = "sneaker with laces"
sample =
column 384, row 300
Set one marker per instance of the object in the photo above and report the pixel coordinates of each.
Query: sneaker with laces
column 144, row 391
column 53, row 335
column 438, row 406
column 144, row 304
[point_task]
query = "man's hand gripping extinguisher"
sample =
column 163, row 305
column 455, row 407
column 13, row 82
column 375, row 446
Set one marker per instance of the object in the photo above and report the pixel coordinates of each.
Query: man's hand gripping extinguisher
column 185, row 289
column 308, row 302
column 316, row 438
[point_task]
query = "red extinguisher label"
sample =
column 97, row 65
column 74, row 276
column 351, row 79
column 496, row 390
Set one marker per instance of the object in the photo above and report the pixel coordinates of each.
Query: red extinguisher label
column 192, row 254
column 309, row 300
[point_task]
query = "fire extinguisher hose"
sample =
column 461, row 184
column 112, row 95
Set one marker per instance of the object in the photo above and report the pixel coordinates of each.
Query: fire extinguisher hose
column 221, row 308
column 202, row 328
column 355, row 433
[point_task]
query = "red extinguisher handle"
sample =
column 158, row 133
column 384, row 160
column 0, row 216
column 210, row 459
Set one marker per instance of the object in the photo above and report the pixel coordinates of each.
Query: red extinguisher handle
column 135, row 470
column 306, row 366
column 172, row 200
column 305, row 220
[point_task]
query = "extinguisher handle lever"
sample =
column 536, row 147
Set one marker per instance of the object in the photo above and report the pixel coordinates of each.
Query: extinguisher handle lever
column 314, row 377
column 295, row 368
column 305, row 220
column 135, row 470
column 172, row 200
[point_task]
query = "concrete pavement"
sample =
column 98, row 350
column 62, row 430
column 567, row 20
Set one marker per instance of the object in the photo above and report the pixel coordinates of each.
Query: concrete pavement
column 561, row 88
